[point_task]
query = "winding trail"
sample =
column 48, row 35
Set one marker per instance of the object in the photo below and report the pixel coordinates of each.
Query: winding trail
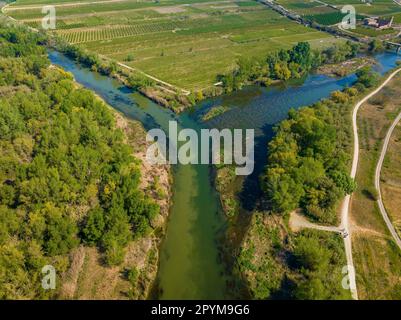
column 346, row 203
column 383, row 211
column 297, row 221
column 172, row 86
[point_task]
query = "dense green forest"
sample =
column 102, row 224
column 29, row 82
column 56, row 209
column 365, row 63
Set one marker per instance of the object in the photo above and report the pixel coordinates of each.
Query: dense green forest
column 66, row 175
column 308, row 163
column 285, row 64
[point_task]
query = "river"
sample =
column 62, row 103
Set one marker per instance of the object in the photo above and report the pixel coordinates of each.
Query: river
column 190, row 267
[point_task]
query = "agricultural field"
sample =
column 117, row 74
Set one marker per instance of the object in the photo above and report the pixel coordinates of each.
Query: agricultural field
column 397, row 18
column 305, row 7
column 186, row 43
column 371, row 32
column 377, row 7
column 329, row 12
column 329, row 18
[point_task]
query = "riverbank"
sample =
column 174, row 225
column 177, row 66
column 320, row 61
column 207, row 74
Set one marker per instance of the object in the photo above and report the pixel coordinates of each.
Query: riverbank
column 252, row 249
column 88, row 277
column 192, row 216
column 278, row 67
column 190, row 245
column 345, row 68
column 152, row 88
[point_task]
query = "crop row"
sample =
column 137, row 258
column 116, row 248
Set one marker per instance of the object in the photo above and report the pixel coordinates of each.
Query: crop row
column 86, row 35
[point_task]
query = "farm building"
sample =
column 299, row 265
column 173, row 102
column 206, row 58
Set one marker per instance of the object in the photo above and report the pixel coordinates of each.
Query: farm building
column 378, row 23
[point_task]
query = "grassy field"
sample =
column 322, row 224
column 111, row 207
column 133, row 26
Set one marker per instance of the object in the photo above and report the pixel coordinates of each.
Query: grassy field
column 327, row 15
column 329, row 18
column 370, row 32
column 186, row 43
column 391, row 179
column 377, row 7
column 397, row 18
column 377, row 259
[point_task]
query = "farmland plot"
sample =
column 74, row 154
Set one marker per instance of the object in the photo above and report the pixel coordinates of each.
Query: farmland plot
column 329, row 12
column 187, row 43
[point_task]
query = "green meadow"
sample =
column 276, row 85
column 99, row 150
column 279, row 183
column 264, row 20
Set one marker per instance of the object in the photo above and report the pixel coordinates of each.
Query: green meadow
column 330, row 15
column 187, row 43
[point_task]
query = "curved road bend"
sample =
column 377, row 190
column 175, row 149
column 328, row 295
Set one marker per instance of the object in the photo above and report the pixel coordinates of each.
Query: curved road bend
column 377, row 183
column 347, row 200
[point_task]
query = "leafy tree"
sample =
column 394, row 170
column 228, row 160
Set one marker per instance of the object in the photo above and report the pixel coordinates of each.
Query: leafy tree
column 310, row 254
column 66, row 173
column 114, row 252
column 367, row 77
column 94, row 226
column 283, row 192
column 60, row 233
column 376, row 46
column 311, row 289
column 307, row 165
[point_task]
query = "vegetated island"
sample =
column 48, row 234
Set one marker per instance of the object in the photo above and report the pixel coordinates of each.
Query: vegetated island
column 214, row 112
column 344, row 68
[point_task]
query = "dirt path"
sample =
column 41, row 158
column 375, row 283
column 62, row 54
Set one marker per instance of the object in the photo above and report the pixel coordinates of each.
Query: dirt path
column 297, row 221
column 355, row 160
column 377, row 183
column 185, row 92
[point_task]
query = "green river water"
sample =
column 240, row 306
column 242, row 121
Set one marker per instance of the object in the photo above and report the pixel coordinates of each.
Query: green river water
column 190, row 267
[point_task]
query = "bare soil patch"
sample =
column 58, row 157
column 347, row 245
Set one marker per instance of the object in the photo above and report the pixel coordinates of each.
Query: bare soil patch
column 169, row 10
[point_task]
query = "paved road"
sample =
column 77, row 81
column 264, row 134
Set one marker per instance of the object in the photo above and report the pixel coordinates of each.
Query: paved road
column 347, row 200
column 377, row 183
column 297, row 221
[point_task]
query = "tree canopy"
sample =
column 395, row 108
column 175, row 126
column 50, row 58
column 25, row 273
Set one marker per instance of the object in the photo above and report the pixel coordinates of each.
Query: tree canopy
column 308, row 161
column 284, row 64
column 66, row 175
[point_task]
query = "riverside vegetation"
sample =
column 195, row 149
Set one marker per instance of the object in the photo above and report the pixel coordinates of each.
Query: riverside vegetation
column 307, row 168
column 67, row 174
column 278, row 66
column 166, row 39
column 275, row 262
column 285, row 64
column 281, row 65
